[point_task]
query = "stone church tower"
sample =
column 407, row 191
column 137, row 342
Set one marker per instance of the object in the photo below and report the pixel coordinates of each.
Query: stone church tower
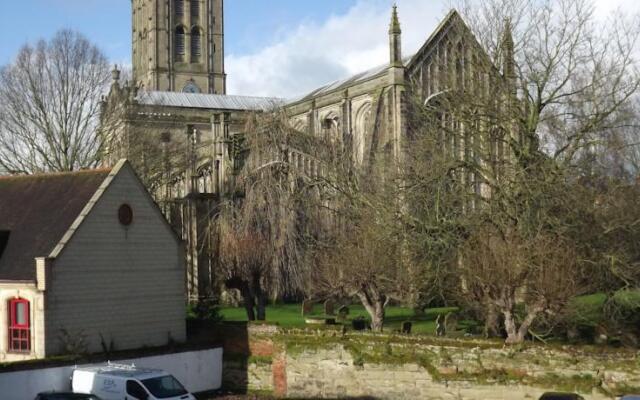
column 178, row 45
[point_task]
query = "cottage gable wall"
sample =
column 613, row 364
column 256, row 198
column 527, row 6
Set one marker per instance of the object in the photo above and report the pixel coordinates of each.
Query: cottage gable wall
column 117, row 284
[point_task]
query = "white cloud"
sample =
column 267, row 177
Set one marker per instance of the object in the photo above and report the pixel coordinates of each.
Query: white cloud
column 316, row 54
column 604, row 8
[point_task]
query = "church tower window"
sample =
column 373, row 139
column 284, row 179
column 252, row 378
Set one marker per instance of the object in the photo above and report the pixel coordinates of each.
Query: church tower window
column 167, row 50
column 195, row 8
column 179, row 38
column 196, row 45
column 178, row 6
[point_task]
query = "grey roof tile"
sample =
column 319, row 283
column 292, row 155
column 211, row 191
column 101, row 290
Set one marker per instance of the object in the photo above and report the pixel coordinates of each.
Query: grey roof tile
column 207, row 101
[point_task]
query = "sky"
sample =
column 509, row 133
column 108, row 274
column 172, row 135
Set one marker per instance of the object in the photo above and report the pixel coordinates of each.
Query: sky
column 273, row 47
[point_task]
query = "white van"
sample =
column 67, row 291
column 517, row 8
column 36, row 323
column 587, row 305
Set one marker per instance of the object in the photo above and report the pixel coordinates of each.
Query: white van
column 118, row 382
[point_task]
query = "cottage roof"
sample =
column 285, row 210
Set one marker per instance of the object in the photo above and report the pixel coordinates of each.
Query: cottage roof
column 37, row 211
column 207, row 101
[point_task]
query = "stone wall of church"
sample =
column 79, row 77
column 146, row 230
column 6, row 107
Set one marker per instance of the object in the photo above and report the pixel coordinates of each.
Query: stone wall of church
column 350, row 116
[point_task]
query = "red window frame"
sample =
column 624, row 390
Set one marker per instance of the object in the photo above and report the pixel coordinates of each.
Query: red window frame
column 19, row 334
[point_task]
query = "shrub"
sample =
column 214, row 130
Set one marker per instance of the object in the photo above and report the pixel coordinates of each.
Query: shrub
column 204, row 311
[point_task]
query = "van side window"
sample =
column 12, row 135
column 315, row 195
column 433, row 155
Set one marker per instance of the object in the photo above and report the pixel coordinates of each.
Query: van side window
column 136, row 390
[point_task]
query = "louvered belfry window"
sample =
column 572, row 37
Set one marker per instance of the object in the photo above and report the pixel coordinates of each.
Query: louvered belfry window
column 196, row 45
column 178, row 6
column 195, row 8
column 179, row 41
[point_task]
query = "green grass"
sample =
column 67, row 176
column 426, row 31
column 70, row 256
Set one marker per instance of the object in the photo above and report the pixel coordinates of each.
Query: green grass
column 290, row 316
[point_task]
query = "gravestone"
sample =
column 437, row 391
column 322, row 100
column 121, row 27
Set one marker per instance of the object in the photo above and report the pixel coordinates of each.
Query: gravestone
column 359, row 324
column 307, row 307
column 406, row 327
column 343, row 313
column 440, row 327
column 329, row 307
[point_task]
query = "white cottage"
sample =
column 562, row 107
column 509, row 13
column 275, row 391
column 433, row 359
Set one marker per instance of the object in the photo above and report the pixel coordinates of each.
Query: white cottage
column 86, row 261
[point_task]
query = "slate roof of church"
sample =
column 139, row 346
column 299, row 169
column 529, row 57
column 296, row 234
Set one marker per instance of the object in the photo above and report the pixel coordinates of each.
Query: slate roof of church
column 38, row 210
column 207, row 101
column 350, row 81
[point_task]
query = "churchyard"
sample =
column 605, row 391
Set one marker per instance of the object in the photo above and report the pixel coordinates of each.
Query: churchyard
column 291, row 316
column 459, row 222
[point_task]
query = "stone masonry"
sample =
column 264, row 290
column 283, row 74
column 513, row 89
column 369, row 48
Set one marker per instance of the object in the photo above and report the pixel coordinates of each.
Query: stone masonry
column 329, row 365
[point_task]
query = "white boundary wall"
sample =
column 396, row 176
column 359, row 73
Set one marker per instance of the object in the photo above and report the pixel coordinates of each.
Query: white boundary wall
column 198, row 371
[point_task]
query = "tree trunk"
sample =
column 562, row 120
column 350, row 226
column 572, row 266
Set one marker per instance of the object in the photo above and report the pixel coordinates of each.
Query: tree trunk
column 515, row 334
column 261, row 303
column 246, row 293
column 374, row 303
column 377, row 318
column 249, row 302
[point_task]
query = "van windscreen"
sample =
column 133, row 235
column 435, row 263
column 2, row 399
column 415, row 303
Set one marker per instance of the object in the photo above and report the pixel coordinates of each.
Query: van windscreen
column 164, row 387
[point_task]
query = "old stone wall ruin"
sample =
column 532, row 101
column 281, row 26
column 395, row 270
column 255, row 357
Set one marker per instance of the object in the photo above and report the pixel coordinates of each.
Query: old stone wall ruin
column 328, row 364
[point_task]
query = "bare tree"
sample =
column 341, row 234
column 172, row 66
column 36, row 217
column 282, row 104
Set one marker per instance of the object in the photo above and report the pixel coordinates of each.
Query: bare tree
column 565, row 85
column 272, row 220
column 574, row 73
column 245, row 263
column 362, row 256
column 50, row 105
column 507, row 269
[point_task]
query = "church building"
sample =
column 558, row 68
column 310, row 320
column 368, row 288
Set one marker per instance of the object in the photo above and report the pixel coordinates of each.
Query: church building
column 182, row 131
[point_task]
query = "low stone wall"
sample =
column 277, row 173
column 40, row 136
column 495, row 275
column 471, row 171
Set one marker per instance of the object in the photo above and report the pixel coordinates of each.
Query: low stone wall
column 327, row 364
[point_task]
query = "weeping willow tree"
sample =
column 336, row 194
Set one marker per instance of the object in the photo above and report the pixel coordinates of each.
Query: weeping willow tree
column 268, row 225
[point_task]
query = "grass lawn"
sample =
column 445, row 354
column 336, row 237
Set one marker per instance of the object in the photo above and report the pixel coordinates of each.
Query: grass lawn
column 290, row 316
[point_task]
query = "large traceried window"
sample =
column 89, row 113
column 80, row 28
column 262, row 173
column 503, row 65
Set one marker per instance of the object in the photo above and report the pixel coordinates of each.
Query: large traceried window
column 179, row 42
column 19, row 326
column 196, row 45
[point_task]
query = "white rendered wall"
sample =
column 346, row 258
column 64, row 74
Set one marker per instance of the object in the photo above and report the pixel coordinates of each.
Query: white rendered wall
column 198, row 371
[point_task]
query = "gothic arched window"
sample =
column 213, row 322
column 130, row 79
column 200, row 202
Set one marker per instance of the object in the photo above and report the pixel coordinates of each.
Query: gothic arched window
column 179, row 41
column 196, row 45
column 362, row 118
column 195, row 8
column 178, row 6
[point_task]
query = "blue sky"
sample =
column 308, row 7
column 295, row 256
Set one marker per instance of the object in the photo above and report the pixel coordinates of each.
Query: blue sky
column 250, row 24
column 273, row 47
